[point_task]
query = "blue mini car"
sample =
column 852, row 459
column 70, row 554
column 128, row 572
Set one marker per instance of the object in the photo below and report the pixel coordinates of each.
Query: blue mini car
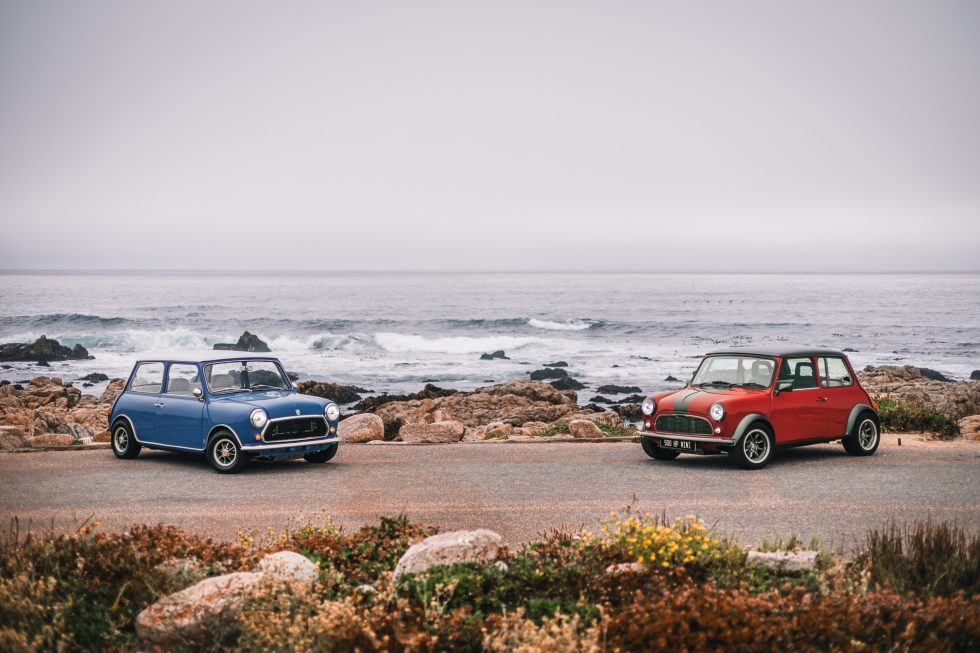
column 228, row 407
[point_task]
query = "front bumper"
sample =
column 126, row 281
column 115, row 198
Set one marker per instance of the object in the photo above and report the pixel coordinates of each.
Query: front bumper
column 721, row 442
column 292, row 446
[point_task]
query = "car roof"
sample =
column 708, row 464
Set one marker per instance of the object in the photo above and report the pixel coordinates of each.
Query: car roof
column 781, row 350
column 206, row 356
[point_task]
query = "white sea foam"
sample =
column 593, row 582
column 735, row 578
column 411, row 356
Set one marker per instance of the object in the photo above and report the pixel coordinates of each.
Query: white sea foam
column 570, row 325
column 403, row 343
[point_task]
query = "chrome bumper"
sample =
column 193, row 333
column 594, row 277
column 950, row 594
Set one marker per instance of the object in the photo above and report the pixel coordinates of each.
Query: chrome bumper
column 286, row 444
column 725, row 442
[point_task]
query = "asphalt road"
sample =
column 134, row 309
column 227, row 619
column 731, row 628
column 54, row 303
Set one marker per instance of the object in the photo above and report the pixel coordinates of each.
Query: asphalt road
column 518, row 490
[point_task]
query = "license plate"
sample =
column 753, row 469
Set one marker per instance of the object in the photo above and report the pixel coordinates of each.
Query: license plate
column 681, row 445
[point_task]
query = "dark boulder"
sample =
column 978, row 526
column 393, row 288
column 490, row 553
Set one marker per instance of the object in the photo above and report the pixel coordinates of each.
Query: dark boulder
column 632, row 399
column 428, row 392
column 42, row 350
column 567, row 383
column 933, row 375
column 619, row 389
column 551, row 373
column 497, row 355
column 342, row 394
column 246, row 342
column 672, row 378
column 631, row 412
column 599, row 399
column 95, row 377
column 556, row 364
column 975, row 375
column 848, row 350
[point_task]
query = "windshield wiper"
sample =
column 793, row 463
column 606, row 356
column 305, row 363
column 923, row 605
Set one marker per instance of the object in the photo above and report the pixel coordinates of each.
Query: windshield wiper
column 750, row 384
column 701, row 385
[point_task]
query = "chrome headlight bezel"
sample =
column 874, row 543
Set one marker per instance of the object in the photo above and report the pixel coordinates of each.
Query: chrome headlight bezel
column 649, row 406
column 717, row 411
column 331, row 412
column 259, row 418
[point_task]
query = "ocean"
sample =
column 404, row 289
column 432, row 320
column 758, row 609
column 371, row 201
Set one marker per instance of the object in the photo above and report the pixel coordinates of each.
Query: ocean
column 394, row 332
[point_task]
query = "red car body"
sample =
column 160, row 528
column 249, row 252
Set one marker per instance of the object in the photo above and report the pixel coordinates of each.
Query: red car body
column 811, row 396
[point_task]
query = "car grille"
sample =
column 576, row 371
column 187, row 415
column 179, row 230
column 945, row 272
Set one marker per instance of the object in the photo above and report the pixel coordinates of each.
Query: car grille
column 685, row 424
column 299, row 428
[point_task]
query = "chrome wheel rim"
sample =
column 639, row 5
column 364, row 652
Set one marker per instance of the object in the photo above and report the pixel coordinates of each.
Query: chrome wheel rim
column 755, row 446
column 225, row 452
column 121, row 439
column 867, row 434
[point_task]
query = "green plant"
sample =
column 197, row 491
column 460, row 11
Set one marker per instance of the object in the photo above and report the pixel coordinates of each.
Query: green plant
column 899, row 415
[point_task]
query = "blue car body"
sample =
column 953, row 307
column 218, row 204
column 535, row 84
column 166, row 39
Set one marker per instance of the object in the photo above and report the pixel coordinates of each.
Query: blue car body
column 177, row 420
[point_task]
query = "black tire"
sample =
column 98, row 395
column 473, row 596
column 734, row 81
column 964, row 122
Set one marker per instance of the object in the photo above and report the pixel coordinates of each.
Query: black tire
column 124, row 443
column 755, row 449
column 654, row 451
column 865, row 435
column 321, row 456
column 225, row 454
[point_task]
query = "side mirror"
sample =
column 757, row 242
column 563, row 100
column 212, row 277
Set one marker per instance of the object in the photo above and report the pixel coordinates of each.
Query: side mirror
column 197, row 392
column 783, row 386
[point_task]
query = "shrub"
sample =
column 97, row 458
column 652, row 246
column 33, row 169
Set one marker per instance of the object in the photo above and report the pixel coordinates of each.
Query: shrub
column 899, row 415
column 651, row 540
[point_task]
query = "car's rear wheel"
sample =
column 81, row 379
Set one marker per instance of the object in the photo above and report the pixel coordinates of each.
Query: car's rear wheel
column 755, row 449
column 653, row 450
column 124, row 443
column 321, row 456
column 865, row 436
column 225, row 455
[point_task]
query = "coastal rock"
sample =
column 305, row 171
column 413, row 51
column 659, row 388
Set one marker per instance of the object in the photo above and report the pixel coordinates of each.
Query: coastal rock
column 599, row 399
column 341, row 394
column 11, row 437
column 785, row 561
column 671, row 378
column 102, row 436
column 498, row 430
column 497, row 355
column 583, row 428
column 970, row 427
column 436, row 432
column 934, row 375
column 548, row 373
column 556, row 364
column 514, row 402
column 568, row 383
column 246, row 342
column 289, row 567
column 42, row 350
column 428, row 392
column 50, row 440
column 957, row 399
column 618, row 389
column 363, row 427
column 606, row 418
column 95, row 377
column 457, row 547
column 975, row 375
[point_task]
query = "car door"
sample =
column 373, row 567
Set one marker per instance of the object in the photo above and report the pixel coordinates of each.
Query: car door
column 801, row 412
column 142, row 396
column 837, row 385
column 179, row 414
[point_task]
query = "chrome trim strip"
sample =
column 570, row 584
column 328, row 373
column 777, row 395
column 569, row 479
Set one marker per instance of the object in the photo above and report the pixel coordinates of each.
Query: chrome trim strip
column 691, row 438
column 223, row 426
column 285, row 444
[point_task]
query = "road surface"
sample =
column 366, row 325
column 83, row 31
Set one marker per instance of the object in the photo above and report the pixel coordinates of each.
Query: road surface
column 519, row 490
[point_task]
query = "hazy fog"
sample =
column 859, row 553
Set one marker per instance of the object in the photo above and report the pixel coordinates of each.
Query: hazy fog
column 758, row 136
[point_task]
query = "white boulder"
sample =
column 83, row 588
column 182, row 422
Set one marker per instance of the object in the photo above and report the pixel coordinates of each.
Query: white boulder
column 456, row 547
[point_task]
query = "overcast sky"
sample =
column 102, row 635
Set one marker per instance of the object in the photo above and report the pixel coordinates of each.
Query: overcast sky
column 756, row 136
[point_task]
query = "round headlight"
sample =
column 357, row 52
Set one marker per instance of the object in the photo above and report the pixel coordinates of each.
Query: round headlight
column 332, row 412
column 648, row 406
column 258, row 418
column 717, row 412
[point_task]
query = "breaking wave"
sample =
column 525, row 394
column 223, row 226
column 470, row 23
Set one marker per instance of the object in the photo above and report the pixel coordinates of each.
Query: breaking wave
column 402, row 343
column 569, row 325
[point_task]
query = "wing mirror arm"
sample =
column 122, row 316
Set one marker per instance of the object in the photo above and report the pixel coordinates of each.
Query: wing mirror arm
column 197, row 392
column 784, row 386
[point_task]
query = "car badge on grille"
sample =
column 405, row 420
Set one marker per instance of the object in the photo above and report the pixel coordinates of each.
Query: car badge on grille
column 297, row 411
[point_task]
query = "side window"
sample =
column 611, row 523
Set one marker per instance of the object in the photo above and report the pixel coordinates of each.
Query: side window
column 834, row 373
column 182, row 379
column 800, row 371
column 148, row 378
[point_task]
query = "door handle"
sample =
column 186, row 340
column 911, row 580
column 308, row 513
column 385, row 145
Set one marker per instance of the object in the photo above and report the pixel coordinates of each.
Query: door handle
column 160, row 405
column 821, row 399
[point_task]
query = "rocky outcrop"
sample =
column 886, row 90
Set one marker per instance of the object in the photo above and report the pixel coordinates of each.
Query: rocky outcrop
column 48, row 405
column 957, row 399
column 95, row 377
column 341, row 394
column 975, row 375
column 362, row 427
column 548, row 373
column 441, row 432
column 556, row 364
column 458, row 547
column 41, row 350
column 567, row 383
column 612, row 389
column 497, row 355
column 970, row 427
column 583, row 428
column 246, row 342
column 428, row 392
column 50, row 440
column 514, row 402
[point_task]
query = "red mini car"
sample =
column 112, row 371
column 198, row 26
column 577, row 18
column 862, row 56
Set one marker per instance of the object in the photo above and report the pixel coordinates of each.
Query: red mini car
column 747, row 402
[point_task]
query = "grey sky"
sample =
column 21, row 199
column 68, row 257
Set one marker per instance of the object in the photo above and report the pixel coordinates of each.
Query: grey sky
column 757, row 136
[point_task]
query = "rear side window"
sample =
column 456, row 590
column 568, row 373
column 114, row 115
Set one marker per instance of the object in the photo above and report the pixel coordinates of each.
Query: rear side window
column 834, row 373
column 148, row 378
column 182, row 379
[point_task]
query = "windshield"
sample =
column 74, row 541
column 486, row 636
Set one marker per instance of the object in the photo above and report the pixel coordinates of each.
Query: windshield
column 740, row 371
column 235, row 376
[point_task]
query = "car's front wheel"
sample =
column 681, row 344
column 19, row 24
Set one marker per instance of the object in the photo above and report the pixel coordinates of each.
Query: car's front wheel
column 755, row 449
column 321, row 456
column 864, row 437
column 225, row 455
column 124, row 444
column 651, row 449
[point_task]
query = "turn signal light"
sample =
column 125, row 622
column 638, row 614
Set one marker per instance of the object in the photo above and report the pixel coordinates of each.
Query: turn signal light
column 258, row 436
column 333, row 430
